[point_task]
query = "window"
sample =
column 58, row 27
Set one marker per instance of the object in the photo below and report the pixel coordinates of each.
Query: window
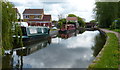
column 39, row 30
column 27, row 16
column 45, row 30
column 24, row 33
column 33, row 30
column 36, row 16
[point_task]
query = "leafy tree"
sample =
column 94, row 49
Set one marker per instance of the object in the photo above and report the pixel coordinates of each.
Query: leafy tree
column 116, row 24
column 63, row 20
column 81, row 22
column 8, row 22
column 119, row 9
column 93, row 21
column 60, row 24
column 106, row 12
column 72, row 15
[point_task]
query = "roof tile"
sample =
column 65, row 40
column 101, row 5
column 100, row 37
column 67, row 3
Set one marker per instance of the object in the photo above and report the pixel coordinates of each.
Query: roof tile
column 33, row 11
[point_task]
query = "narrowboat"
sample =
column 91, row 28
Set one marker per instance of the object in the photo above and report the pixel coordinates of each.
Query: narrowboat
column 67, row 28
column 33, row 34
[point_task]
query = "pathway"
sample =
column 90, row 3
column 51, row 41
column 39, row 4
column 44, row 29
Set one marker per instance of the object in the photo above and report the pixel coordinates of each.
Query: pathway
column 116, row 33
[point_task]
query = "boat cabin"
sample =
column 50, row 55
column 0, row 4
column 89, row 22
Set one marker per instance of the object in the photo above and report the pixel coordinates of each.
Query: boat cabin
column 34, row 30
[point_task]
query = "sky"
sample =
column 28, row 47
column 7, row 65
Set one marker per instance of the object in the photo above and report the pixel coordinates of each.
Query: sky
column 81, row 8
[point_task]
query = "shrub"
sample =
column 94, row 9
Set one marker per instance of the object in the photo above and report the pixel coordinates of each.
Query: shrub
column 115, row 24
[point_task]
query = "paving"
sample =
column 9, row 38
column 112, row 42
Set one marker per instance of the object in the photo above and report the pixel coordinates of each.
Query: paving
column 118, row 36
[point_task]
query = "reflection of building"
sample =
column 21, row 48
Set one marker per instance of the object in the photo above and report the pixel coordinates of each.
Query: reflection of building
column 36, row 17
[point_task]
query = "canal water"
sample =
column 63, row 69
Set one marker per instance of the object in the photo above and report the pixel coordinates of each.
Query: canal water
column 73, row 50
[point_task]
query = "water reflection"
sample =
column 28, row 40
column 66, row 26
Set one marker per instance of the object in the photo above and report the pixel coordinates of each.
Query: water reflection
column 33, row 48
column 72, row 52
column 99, row 43
column 15, row 58
column 68, row 35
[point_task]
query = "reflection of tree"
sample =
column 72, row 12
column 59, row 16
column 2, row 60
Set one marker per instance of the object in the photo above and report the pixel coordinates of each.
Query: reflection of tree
column 99, row 43
column 34, row 47
column 7, row 61
column 10, row 61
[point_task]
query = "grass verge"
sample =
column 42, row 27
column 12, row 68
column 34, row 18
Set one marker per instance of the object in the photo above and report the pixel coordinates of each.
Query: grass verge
column 109, row 57
column 117, row 30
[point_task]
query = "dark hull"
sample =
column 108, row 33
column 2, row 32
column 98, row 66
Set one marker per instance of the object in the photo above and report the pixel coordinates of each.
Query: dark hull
column 66, row 31
column 32, row 40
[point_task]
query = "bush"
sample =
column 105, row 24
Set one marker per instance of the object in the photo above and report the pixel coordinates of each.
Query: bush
column 115, row 24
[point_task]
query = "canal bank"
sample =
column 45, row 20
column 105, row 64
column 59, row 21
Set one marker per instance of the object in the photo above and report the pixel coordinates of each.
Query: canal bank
column 109, row 55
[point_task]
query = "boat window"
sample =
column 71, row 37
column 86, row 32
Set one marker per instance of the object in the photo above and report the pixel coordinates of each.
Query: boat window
column 33, row 30
column 39, row 30
column 45, row 30
column 24, row 33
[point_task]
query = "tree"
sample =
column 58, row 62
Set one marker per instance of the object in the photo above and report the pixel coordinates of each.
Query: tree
column 8, row 21
column 63, row 20
column 81, row 21
column 106, row 13
column 93, row 21
column 116, row 24
column 72, row 15
column 119, row 9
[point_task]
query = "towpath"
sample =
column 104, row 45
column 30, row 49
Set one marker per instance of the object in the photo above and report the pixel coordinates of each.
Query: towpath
column 118, row 36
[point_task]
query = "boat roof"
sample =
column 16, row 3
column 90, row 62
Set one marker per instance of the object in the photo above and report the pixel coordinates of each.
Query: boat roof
column 25, row 24
column 36, row 27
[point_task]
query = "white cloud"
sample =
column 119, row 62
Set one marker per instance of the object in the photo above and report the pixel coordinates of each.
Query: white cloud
column 82, row 8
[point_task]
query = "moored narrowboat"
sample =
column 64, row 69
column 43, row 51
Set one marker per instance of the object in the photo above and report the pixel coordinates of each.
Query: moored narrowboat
column 67, row 28
column 33, row 34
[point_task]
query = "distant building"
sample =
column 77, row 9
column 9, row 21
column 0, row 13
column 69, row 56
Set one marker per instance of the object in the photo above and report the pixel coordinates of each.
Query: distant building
column 72, row 19
column 36, row 17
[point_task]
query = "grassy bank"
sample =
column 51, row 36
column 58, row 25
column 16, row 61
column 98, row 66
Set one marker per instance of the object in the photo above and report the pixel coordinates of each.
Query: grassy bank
column 117, row 30
column 109, row 56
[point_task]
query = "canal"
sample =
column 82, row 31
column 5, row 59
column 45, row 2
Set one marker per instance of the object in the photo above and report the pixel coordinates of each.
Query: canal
column 73, row 50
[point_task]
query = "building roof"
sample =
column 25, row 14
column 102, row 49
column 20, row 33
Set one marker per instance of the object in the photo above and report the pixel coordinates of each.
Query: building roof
column 33, row 11
column 46, row 18
column 71, row 18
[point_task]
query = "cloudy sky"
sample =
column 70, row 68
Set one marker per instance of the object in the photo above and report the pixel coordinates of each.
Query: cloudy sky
column 82, row 8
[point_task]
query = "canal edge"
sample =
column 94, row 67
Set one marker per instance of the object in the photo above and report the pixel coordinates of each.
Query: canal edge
column 99, row 54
